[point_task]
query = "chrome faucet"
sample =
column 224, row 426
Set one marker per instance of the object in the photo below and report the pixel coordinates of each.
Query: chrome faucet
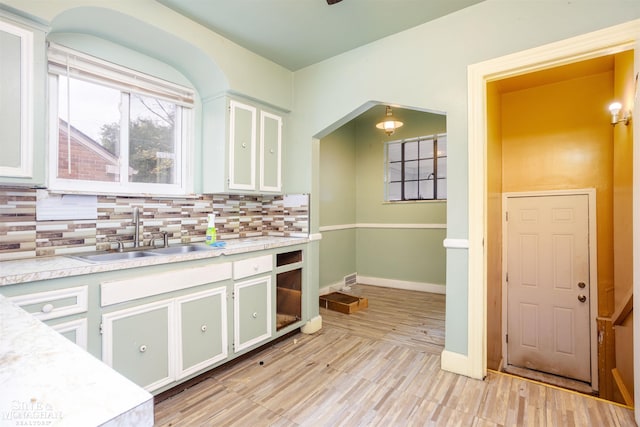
column 136, row 230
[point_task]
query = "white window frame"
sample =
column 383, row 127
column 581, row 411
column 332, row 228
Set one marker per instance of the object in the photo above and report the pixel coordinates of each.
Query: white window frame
column 123, row 79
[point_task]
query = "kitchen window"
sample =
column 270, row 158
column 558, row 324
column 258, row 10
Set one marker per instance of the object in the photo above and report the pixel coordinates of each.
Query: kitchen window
column 416, row 168
column 116, row 130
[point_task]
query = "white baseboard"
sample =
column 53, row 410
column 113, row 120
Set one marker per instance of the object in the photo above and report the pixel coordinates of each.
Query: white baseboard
column 402, row 284
column 454, row 362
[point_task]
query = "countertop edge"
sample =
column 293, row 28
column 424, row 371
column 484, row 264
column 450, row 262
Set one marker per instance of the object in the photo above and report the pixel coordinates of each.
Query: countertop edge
column 46, row 376
column 34, row 269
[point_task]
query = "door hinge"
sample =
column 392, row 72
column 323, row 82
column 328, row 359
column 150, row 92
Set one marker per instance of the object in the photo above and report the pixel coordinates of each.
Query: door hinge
column 101, row 329
column 506, row 338
column 506, row 216
column 507, row 277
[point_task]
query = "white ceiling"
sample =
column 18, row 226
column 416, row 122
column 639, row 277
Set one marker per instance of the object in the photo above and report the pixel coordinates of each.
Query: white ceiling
column 298, row 33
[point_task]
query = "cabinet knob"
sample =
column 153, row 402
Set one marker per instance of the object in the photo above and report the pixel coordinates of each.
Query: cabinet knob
column 47, row 308
column 244, row 145
column 255, row 267
column 272, row 151
column 143, row 348
column 254, row 315
column 203, row 328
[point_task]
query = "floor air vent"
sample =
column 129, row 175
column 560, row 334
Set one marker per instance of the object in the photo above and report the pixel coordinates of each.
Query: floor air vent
column 349, row 281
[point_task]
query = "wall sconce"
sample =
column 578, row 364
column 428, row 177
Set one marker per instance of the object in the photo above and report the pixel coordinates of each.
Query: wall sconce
column 388, row 123
column 615, row 108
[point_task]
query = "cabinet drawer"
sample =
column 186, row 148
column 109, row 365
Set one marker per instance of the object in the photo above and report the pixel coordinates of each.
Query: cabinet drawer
column 117, row 291
column 252, row 266
column 54, row 304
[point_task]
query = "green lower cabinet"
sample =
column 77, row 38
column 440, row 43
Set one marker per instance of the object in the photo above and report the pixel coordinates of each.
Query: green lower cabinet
column 137, row 341
column 252, row 315
column 74, row 330
column 203, row 330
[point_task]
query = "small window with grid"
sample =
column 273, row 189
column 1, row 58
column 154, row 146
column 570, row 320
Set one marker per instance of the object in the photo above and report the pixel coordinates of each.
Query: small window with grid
column 416, row 168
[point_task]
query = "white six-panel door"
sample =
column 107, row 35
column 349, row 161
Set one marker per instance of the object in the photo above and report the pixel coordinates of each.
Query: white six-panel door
column 548, row 303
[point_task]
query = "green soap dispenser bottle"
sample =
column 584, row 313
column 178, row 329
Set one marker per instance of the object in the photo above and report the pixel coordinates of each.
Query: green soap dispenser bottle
column 210, row 238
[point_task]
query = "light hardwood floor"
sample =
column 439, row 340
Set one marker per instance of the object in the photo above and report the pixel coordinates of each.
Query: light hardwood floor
column 379, row 367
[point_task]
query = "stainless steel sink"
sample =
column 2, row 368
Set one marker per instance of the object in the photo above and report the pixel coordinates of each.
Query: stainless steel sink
column 183, row 249
column 147, row 252
column 115, row 256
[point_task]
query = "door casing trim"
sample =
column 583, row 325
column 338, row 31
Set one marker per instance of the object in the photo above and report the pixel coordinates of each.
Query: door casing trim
column 593, row 269
column 606, row 41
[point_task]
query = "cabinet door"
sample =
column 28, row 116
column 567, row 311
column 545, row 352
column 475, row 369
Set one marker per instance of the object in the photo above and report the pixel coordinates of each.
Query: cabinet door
column 202, row 331
column 252, row 316
column 74, row 330
column 136, row 343
column 16, row 102
column 242, row 146
column 270, row 152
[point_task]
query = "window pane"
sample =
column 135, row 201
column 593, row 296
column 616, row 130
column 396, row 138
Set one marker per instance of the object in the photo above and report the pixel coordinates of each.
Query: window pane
column 442, row 188
column 88, row 131
column 411, row 150
column 395, row 172
column 426, row 189
column 394, row 152
column 442, row 145
column 426, row 148
column 395, row 191
column 411, row 170
column 152, row 144
column 411, row 190
column 442, row 167
column 426, row 169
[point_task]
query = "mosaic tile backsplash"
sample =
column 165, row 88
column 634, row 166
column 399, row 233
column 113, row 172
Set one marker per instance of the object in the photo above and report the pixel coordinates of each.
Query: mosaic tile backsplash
column 22, row 235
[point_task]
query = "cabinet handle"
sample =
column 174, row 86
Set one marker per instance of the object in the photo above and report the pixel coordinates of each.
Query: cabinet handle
column 143, row 348
column 254, row 315
column 47, row 308
column 203, row 328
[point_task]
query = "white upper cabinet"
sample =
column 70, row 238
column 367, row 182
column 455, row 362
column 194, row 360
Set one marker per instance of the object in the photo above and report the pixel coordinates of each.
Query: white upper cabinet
column 22, row 77
column 270, row 152
column 242, row 148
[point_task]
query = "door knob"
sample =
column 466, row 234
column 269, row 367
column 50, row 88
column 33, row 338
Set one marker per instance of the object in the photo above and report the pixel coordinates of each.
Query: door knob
column 582, row 298
column 581, row 285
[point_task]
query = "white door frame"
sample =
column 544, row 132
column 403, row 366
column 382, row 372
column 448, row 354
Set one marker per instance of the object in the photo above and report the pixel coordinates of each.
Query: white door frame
column 598, row 43
column 593, row 269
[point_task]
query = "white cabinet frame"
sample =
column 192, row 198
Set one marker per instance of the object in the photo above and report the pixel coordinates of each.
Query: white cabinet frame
column 25, row 169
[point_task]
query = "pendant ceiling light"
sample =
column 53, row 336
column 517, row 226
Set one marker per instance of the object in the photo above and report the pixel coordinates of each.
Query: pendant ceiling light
column 388, row 123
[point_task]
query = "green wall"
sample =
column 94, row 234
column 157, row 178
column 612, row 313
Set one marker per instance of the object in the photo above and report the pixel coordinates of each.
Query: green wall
column 337, row 191
column 426, row 68
column 352, row 169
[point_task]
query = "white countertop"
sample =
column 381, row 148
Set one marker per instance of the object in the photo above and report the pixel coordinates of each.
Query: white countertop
column 33, row 269
column 46, row 380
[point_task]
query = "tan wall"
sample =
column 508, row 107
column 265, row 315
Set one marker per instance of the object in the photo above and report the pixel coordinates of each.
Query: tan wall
column 623, row 215
column 494, row 228
column 558, row 136
column 549, row 136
